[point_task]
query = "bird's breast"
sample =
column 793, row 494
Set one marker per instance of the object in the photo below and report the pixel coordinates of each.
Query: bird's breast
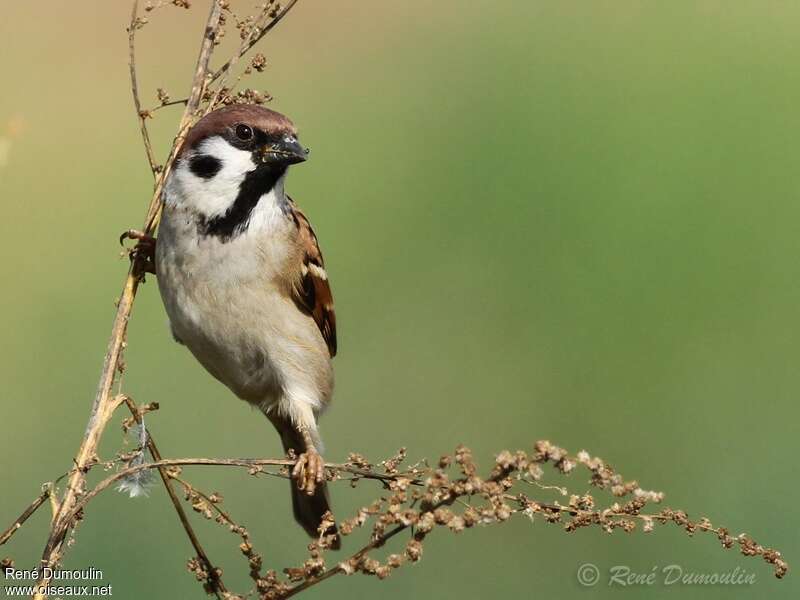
column 224, row 302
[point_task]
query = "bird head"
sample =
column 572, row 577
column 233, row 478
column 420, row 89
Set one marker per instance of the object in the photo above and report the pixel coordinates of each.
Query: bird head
column 232, row 157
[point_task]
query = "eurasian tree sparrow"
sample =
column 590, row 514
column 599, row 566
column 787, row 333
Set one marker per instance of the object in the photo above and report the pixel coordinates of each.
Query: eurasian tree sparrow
column 243, row 282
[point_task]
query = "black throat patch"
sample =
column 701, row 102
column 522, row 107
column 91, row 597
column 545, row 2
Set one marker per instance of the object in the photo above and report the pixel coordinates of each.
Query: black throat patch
column 236, row 219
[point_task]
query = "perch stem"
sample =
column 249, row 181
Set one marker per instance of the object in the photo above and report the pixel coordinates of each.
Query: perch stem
column 215, row 580
column 26, row 514
column 148, row 147
column 104, row 403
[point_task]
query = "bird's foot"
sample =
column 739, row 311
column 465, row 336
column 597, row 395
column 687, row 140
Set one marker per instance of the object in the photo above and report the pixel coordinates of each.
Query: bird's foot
column 144, row 252
column 309, row 470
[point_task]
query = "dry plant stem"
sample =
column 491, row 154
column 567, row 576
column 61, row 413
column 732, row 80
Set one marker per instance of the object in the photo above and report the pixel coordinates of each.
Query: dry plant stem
column 226, row 518
column 215, row 580
column 47, row 494
column 104, row 403
column 245, row 48
column 170, row 103
column 375, row 543
column 148, row 147
column 199, row 83
column 20, row 521
column 102, row 409
column 222, row 462
column 495, row 504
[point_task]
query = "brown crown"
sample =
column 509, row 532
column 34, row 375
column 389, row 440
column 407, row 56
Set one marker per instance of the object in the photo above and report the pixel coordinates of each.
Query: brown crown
column 221, row 120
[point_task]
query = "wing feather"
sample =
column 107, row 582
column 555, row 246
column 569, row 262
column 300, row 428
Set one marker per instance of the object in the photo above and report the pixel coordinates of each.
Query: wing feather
column 313, row 293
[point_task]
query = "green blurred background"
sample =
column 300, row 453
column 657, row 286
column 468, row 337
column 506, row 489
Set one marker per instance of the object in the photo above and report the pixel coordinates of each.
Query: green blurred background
column 563, row 220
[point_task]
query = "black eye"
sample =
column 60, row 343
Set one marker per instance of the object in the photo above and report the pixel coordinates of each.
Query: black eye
column 244, row 133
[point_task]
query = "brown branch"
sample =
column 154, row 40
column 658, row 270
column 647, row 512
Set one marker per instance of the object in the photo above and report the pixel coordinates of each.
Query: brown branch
column 48, row 492
column 434, row 506
column 26, row 514
column 441, row 492
column 245, row 48
column 142, row 115
column 221, row 462
column 376, row 543
column 104, row 404
column 201, row 70
column 215, row 580
column 190, row 489
column 166, row 104
column 199, row 83
column 102, row 409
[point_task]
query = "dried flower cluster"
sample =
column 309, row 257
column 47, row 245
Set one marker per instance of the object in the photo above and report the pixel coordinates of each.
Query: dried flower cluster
column 450, row 497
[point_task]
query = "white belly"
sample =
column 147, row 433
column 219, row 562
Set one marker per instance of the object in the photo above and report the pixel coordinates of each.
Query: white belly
column 223, row 306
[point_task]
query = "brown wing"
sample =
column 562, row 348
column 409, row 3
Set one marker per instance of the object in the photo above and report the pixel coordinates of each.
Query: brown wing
column 313, row 294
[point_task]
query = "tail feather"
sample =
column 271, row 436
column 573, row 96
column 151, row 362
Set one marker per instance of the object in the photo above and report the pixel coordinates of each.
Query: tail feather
column 308, row 510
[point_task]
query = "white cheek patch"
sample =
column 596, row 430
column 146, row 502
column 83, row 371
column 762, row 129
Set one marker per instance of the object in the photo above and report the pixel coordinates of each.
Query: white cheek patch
column 210, row 196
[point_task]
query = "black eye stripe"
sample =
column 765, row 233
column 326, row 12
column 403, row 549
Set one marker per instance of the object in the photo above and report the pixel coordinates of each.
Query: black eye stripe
column 205, row 166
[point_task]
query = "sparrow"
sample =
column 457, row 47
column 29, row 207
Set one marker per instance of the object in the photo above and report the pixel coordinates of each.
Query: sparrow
column 244, row 285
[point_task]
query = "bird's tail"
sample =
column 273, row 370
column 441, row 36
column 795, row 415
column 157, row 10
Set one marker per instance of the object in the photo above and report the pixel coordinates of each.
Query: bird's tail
column 308, row 510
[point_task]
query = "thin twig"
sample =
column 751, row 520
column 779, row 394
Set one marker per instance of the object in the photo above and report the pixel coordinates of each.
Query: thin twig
column 215, row 580
column 104, row 405
column 245, row 48
column 166, row 104
column 374, row 543
column 102, row 409
column 20, row 521
column 221, row 462
column 142, row 115
column 48, row 492
column 199, row 83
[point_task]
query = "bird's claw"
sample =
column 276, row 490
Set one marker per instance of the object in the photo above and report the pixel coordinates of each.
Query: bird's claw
column 145, row 248
column 309, row 470
column 140, row 236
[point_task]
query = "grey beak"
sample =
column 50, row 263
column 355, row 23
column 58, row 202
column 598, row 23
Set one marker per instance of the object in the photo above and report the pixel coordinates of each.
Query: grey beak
column 287, row 151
